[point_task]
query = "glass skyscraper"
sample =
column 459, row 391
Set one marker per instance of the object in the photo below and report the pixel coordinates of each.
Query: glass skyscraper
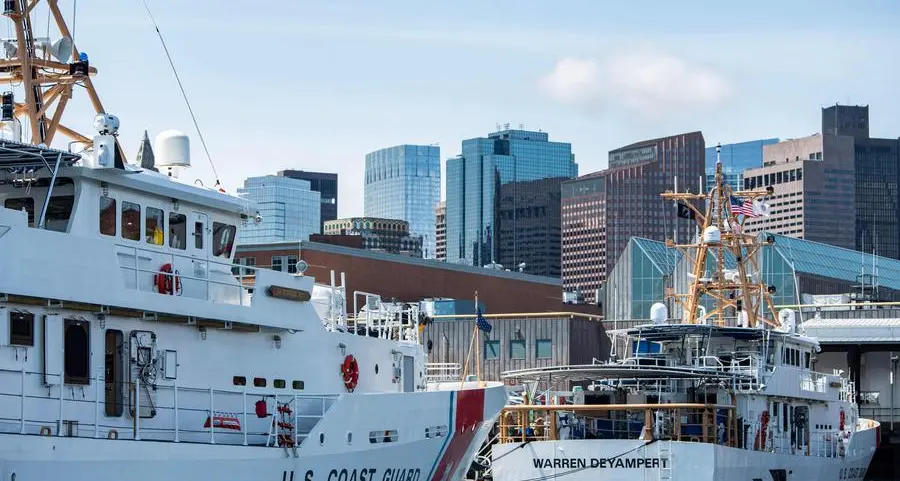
column 474, row 195
column 290, row 210
column 326, row 184
column 404, row 183
column 736, row 158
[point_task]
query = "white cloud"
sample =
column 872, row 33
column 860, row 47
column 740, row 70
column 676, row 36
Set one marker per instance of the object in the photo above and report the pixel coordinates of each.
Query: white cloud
column 652, row 83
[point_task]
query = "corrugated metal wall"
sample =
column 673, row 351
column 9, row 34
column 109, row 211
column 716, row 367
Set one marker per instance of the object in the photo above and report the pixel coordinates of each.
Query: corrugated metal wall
column 573, row 341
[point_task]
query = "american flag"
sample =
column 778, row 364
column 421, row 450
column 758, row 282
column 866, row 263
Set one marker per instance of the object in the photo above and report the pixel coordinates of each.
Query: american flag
column 482, row 323
column 740, row 205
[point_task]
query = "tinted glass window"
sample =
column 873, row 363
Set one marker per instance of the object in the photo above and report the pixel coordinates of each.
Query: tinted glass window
column 177, row 231
column 131, row 221
column 154, row 230
column 107, row 216
column 223, row 239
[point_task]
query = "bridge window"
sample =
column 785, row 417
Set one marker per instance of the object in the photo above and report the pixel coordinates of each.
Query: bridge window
column 177, row 231
column 21, row 328
column 107, row 216
column 22, row 203
column 154, row 227
column 223, row 239
column 77, row 352
column 59, row 210
column 131, row 220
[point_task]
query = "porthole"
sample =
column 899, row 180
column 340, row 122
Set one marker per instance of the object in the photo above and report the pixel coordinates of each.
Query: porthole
column 297, row 385
column 322, row 439
column 376, row 369
column 259, row 382
column 239, row 381
column 349, row 437
column 278, row 383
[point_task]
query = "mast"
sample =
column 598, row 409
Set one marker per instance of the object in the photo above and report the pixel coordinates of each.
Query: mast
column 47, row 69
column 721, row 232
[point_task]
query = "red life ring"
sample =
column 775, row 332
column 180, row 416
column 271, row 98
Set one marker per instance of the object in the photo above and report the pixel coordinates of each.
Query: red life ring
column 350, row 372
column 167, row 281
column 843, row 420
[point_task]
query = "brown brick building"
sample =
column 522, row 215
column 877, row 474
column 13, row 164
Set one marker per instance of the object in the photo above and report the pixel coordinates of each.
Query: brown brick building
column 410, row 279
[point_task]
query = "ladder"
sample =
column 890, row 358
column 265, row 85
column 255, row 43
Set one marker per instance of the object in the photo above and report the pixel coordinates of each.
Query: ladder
column 665, row 458
column 281, row 431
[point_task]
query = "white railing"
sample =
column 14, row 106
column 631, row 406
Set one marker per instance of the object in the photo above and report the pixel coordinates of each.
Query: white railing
column 165, row 412
column 229, row 288
column 443, row 372
column 385, row 320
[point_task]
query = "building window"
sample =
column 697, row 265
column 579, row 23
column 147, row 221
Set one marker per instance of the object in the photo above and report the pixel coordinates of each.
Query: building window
column 277, row 263
column 292, row 264
column 517, row 349
column 177, row 231
column 492, row 349
column 107, row 216
column 131, row 220
column 223, row 239
column 543, row 349
column 249, row 262
column 153, row 226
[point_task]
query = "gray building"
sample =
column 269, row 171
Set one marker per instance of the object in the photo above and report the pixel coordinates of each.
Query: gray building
column 474, row 180
column 814, row 189
column 519, row 342
column 404, row 182
column 528, row 226
column 877, row 172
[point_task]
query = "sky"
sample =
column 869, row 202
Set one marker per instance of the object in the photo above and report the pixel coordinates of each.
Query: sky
column 317, row 85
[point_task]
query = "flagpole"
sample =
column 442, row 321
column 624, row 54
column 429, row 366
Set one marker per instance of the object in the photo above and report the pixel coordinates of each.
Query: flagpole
column 477, row 345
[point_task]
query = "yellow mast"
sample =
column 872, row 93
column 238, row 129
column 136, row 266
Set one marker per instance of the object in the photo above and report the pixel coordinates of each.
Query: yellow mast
column 721, row 231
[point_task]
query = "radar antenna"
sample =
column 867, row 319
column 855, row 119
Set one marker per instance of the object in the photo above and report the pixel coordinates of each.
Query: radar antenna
column 721, row 222
column 47, row 73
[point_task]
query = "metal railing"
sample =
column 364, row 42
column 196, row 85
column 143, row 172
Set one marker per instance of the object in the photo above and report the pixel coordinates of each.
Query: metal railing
column 235, row 288
column 137, row 411
column 443, row 372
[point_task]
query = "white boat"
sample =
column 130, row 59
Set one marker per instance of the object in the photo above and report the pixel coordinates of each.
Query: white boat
column 728, row 391
column 132, row 348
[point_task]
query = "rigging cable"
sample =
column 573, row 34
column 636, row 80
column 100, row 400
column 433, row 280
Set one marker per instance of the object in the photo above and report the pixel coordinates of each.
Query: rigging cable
column 183, row 93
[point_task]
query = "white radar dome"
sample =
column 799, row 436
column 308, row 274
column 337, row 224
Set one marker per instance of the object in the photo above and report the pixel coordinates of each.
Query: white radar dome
column 659, row 313
column 172, row 149
column 712, row 235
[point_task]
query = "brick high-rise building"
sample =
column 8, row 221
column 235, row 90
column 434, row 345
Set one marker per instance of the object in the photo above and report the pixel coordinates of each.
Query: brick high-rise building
column 600, row 216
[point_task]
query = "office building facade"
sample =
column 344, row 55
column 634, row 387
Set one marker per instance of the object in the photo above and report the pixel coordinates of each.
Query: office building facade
column 735, row 158
column 528, row 226
column 637, row 175
column 440, row 237
column 877, row 171
column 583, row 211
column 404, row 182
column 378, row 234
column 289, row 209
column 813, row 179
column 474, row 180
column 326, row 184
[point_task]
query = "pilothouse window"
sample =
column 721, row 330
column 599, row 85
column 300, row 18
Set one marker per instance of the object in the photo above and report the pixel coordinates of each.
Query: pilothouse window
column 77, row 352
column 26, row 203
column 223, row 239
column 107, row 216
column 154, row 229
column 131, row 221
column 21, row 328
column 177, row 231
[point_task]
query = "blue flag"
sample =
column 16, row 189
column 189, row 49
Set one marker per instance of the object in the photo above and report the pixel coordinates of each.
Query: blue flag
column 482, row 323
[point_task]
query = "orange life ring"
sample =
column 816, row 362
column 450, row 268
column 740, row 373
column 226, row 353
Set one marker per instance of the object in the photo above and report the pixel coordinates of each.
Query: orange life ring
column 350, row 372
column 843, row 420
column 167, row 281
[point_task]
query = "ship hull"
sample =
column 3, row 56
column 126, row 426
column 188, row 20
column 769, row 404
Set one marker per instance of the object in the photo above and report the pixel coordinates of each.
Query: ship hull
column 636, row 460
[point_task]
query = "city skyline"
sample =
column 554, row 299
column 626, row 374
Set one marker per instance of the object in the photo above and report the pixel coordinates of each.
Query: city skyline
column 544, row 66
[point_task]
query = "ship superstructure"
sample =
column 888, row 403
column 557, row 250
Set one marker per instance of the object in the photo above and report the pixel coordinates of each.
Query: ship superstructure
column 724, row 389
